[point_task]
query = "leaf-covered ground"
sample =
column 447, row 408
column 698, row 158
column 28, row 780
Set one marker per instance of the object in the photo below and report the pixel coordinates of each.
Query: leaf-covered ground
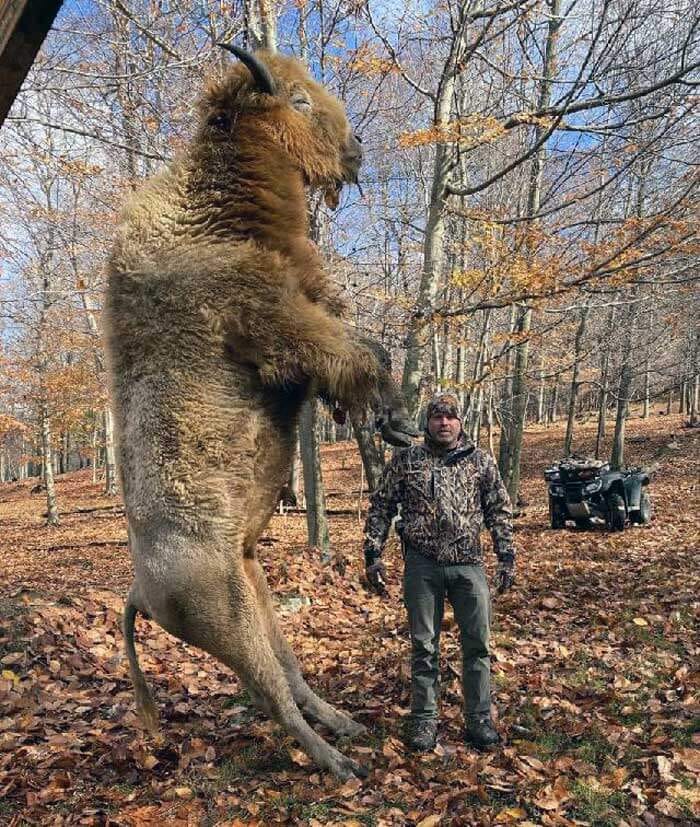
column 594, row 685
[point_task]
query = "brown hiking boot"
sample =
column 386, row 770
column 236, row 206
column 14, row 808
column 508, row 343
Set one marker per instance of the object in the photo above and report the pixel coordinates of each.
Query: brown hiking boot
column 420, row 734
column 480, row 733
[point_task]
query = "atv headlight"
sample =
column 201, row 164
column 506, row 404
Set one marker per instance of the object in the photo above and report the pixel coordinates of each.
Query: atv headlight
column 557, row 490
column 592, row 487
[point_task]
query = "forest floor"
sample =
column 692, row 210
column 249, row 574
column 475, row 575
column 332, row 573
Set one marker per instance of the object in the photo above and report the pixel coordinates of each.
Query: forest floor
column 593, row 677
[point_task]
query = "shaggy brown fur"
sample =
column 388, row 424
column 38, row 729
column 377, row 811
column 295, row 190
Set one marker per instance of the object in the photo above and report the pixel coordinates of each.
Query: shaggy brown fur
column 219, row 319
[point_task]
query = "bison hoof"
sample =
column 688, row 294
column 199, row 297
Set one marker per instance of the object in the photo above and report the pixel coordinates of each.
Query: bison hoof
column 346, row 768
column 403, row 426
column 395, row 438
column 399, row 432
column 351, row 729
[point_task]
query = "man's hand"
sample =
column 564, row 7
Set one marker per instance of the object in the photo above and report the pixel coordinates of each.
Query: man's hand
column 505, row 573
column 376, row 576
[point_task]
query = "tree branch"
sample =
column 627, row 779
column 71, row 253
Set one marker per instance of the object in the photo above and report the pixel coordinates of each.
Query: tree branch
column 92, row 135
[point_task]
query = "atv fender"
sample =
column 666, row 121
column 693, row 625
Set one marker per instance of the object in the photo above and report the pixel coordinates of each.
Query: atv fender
column 611, row 483
column 635, row 484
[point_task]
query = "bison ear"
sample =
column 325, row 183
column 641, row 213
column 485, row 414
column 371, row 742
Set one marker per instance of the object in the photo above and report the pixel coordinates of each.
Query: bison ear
column 264, row 82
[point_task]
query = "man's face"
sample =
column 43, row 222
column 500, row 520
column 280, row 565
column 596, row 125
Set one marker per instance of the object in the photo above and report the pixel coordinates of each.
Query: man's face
column 444, row 429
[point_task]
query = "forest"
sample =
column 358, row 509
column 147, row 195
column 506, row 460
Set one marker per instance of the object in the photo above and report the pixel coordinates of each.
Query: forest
column 524, row 233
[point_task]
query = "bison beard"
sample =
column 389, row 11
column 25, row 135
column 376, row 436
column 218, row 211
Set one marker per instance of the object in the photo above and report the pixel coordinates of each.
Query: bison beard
column 219, row 322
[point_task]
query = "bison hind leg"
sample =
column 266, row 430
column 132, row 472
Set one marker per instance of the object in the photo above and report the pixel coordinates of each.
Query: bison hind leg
column 321, row 712
column 313, row 707
column 219, row 612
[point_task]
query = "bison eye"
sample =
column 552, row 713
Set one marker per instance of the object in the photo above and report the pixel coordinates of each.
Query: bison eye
column 220, row 122
column 301, row 102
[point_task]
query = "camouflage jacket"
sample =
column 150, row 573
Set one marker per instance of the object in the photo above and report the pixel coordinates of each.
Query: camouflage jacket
column 445, row 498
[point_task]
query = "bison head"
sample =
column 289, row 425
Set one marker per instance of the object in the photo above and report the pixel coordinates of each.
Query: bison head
column 275, row 95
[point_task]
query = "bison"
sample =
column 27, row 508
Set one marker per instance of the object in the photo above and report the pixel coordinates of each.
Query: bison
column 220, row 321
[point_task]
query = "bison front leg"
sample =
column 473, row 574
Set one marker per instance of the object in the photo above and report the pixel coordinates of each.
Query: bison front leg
column 389, row 404
column 308, row 701
column 299, row 343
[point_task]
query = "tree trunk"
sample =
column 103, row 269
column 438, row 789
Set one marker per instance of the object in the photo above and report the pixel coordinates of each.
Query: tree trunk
column 578, row 345
column 316, row 520
column 110, row 461
column 460, row 369
column 446, row 355
column 520, row 376
column 433, row 241
column 47, row 460
column 617, row 456
column 602, row 410
column 329, row 427
column 647, row 371
column 260, row 24
column 489, row 415
column 371, row 457
column 93, row 445
column 541, row 395
column 22, row 470
column 125, row 67
column 437, row 360
column 694, row 389
column 477, row 413
column 520, row 397
column 647, row 391
column 603, row 398
column 476, row 394
column 506, row 407
column 294, row 474
column 554, row 402
column 314, row 494
column 432, row 266
column 647, row 368
column 695, row 402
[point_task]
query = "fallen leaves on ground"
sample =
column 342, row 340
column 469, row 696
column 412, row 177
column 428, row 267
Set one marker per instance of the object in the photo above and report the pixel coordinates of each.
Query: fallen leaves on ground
column 593, row 677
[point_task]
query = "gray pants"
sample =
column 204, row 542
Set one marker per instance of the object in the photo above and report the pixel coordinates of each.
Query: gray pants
column 425, row 585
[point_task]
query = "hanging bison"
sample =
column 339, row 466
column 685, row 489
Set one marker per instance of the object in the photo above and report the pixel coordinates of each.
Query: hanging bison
column 220, row 321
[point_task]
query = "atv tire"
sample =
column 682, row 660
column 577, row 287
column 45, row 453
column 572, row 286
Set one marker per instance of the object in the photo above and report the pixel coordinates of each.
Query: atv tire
column 643, row 516
column 556, row 518
column 616, row 513
column 584, row 524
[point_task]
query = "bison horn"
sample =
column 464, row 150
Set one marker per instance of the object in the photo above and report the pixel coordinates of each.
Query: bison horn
column 261, row 74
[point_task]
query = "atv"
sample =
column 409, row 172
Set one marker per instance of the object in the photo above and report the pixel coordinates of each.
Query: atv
column 582, row 489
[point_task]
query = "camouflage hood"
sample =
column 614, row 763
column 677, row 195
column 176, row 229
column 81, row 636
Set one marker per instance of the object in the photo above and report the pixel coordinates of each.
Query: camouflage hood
column 444, row 403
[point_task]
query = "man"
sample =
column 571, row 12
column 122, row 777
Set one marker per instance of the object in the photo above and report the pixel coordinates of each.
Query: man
column 446, row 489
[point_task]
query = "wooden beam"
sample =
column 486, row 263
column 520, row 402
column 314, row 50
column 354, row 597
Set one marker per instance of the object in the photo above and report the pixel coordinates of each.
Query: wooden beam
column 23, row 27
